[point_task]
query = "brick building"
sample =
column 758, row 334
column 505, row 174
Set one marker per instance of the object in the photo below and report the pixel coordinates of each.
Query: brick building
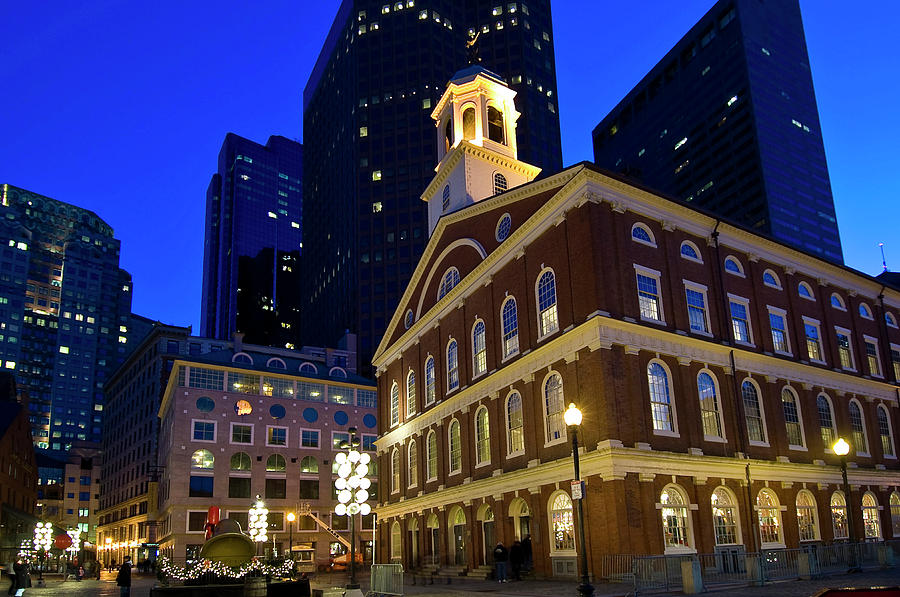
column 714, row 367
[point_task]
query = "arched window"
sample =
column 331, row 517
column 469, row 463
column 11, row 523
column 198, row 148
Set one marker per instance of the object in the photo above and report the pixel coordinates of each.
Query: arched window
column 791, row 407
column 562, row 523
column 858, row 429
column 805, row 291
column 275, row 363
column 690, row 251
column 412, row 462
column 826, row 421
column 771, row 279
column 890, row 319
column 455, row 447
column 756, row 427
column 733, row 266
column 452, row 366
column 337, row 372
column 515, row 426
column 468, row 118
column 410, row 393
column 495, row 124
column 309, row 465
column 202, row 459
column 276, row 464
column 642, row 234
column 837, row 302
column 479, row 349
column 725, row 517
column 431, row 456
column 448, row 135
column 865, row 311
column 448, row 282
column 500, row 183
column 709, row 406
column 430, row 393
column 510, row 318
column 554, row 405
column 546, row 299
column 884, row 430
column 839, row 523
column 395, row 470
column 769, row 518
column 242, row 357
column 660, row 399
column 396, row 543
column 676, row 524
column 308, row 368
column 241, row 462
column 482, row 437
column 445, row 197
column 807, row 521
column 871, row 521
column 395, row 404
column 895, row 513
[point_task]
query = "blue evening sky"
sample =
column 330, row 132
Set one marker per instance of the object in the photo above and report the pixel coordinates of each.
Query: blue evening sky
column 121, row 107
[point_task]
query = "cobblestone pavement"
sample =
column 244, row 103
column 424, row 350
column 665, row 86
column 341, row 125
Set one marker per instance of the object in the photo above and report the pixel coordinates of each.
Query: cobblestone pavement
column 105, row 587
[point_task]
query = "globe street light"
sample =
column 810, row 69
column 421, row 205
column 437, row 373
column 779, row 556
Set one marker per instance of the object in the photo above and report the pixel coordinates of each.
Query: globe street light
column 573, row 417
column 258, row 521
column 108, row 542
column 352, row 486
column 291, row 517
column 842, row 448
column 43, row 532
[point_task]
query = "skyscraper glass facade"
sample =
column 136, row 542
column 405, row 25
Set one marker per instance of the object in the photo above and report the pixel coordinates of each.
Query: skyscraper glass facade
column 728, row 120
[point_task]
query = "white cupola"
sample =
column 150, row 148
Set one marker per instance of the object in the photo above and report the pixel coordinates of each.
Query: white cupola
column 476, row 136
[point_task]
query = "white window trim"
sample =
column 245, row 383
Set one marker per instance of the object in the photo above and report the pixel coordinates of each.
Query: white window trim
column 787, row 334
column 409, row 481
column 649, row 232
column 652, row 273
column 796, row 448
column 395, row 475
column 815, row 514
column 506, row 417
column 483, row 463
column 887, row 412
column 891, row 360
column 537, row 302
column 890, row 320
column 712, row 438
column 740, row 274
column 564, row 436
column 205, row 441
column 880, row 374
column 664, row 432
column 515, row 352
column 816, row 324
column 703, row 290
column 777, row 285
column 762, row 413
column 746, row 303
column 300, row 438
column 691, row 244
column 843, row 303
column 333, row 433
column 425, row 399
column 844, row 331
column 450, row 470
column 779, row 508
column 859, row 310
column 472, row 336
column 447, row 366
column 812, row 294
column 231, row 434
column 287, row 436
column 391, row 405
column 862, row 415
column 437, row 456
column 689, row 522
column 410, row 413
column 187, row 522
column 827, row 449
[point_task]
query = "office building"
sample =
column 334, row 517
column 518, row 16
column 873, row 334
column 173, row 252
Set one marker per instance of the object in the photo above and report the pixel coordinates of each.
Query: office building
column 18, row 471
column 714, row 368
column 65, row 312
column 253, row 241
column 68, row 491
column 727, row 120
column 370, row 143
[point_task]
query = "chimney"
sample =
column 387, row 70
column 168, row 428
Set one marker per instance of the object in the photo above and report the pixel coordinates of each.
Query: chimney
column 238, row 342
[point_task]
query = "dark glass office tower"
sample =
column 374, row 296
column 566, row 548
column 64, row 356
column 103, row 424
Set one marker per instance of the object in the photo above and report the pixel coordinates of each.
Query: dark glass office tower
column 65, row 313
column 371, row 144
column 728, row 120
column 251, row 253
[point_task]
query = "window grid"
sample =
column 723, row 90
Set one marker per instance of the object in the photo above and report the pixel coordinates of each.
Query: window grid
column 500, row 183
column 648, row 297
column 455, row 448
column 395, row 471
column 554, row 405
column 510, row 328
column 547, row 303
column 791, row 418
column 872, row 357
column 410, row 394
column 739, row 322
column 826, row 421
column 895, row 360
column 779, row 335
column 204, row 431
column 806, row 517
column 660, row 400
column 858, row 430
column 753, row 413
column 709, row 406
column 450, row 280
column 241, row 434
column 839, row 522
column 895, row 513
column 431, row 456
column 871, row 522
column 845, row 351
column 309, row 438
column 277, row 436
column 479, row 350
column 674, row 519
column 452, row 366
column 395, row 404
column 563, row 523
column 430, row 393
column 884, row 430
column 813, row 348
column 412, row 464
column 724, row 517
column 515, row 424
column 696, row 305
column 769, row 521
column 482, row 437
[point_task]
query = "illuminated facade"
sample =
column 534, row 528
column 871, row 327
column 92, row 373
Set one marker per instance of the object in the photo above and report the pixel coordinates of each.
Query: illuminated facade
column 69, row 490
column 714, row 368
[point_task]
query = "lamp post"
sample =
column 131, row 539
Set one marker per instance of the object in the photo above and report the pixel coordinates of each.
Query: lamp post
column 572, row 417
column 43, row 532
column 108, row 542
column 258, row 521
column 291, row 517
column 842, row 448
column 352, row 486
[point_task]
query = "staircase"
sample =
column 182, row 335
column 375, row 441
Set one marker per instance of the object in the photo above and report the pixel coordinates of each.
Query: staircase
column 448, row 573
column 483, row 572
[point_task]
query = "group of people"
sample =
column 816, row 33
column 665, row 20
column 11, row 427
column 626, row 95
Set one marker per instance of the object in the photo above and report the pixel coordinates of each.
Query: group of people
column 518, row 556
column 21, row 580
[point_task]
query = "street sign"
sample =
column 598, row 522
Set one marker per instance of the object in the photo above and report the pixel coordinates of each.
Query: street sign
column 577, row 490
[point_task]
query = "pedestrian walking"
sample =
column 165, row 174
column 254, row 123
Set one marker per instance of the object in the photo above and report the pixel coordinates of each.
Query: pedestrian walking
column 516, row 557
column 123, row 578
column 526, row 552
column 501, row 555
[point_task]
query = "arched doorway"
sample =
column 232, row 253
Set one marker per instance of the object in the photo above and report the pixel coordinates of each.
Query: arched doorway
column 413, row 530
column 457, row 538
column 521, row 515
column 432, row 540
column 485, row 516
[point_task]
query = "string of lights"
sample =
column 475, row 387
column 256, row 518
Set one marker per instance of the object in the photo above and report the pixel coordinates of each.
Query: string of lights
column 201, row 567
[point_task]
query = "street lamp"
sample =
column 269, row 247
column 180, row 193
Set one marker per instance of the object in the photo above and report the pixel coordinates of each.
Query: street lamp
column 259, row 521
column 352, row 486
column 108, row 542
column 572, row 417
column 842, row 448
column 291, row 517
column 43, row 532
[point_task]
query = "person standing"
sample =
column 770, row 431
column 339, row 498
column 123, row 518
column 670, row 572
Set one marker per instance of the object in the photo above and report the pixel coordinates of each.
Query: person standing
column 500, row 558
column 526, row 552
column 20, row 576
column 123, row 578
column 515, row 560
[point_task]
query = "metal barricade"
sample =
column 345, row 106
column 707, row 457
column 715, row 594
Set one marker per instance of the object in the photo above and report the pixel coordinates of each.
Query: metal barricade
column 386, row 580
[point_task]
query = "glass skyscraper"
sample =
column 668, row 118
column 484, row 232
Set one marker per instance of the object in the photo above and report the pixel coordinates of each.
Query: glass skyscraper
column 728, row 121
column 370, row 146
column 65, row 313
column 251, row 253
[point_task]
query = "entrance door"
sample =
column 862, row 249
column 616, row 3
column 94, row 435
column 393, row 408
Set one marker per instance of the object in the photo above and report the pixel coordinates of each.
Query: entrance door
column 414, row 547
column 459, row 544
column 487, row 528
column 524, row 526
column 435, row 547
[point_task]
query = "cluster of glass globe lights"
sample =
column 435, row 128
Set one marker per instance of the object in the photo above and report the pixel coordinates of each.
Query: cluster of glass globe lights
column 258, row 521
column 43, row 536
column 352, row 484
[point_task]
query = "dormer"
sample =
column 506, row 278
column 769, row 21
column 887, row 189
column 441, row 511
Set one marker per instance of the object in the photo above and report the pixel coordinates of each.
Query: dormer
column 475, row 122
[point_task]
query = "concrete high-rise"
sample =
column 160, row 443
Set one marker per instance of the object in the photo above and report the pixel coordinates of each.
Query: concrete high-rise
column 727, row 120
column 370, row 146
column 251, row 253
column 65, row 313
